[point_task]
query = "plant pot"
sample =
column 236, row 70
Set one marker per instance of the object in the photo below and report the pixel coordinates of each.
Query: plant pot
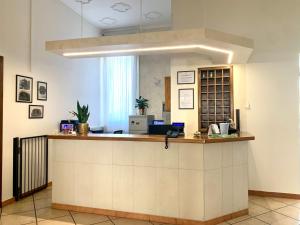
column 83, row 128
column 142, row 112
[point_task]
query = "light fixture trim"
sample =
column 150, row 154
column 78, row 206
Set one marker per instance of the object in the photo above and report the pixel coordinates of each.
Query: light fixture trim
column 108, row 21
column 121, row 7
column 84, row 2
column 152, row 49
column 153, row 15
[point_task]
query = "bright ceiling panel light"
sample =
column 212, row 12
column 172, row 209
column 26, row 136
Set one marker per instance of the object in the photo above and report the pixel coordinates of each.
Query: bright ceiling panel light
column 150, row 49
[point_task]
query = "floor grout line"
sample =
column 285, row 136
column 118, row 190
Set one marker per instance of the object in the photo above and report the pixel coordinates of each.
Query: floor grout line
column 72, row 216
column 111, row 220
column 36, row 221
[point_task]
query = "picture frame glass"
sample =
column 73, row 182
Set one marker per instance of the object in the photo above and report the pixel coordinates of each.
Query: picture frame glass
column 186, row 98
column 36, row 111
column 42, row 90
column 24, row 89
column 186, row 77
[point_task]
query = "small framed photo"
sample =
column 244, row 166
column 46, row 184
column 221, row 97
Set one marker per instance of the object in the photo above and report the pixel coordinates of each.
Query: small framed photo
column 24, row 89
column 186, row 98
column 42, row 91
column 186, row 77
column 36, row 112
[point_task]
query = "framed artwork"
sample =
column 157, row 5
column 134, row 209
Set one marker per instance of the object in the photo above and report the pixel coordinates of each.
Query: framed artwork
column 186, row 77
column 36, row 112
column 42, row 91
column 186, row 98
column 24, row 89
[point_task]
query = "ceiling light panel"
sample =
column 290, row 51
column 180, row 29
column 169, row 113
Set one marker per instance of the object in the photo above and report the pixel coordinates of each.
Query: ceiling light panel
column 121, row 7
column 83, row 1
column 108, row 21
column 153, row 15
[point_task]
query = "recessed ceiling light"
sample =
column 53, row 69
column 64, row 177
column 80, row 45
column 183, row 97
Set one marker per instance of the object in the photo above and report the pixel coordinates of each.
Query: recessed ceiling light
column 108, row 21
column 83, row 1
column 121, row 7
column 153, row 15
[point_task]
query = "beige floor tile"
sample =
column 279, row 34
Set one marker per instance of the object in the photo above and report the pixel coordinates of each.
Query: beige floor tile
column 290, row 211
column 253, row 197
column 239, row 219
column 43, row 203
column 296, row 205
column 130, row 222
column 268, row 203
column 287, row 201
column 87, row 219
column 49, row 213
column 155, row 223
column 105, row 223
column 17, row 207
column 251, row 221
column 287, row 221
column 47, row 193
column 255, row 210
column 18, row 218
column 66, row 220
column 276, row 218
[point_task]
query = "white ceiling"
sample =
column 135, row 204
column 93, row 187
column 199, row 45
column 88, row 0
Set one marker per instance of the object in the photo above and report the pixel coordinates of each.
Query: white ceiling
column 112, row 14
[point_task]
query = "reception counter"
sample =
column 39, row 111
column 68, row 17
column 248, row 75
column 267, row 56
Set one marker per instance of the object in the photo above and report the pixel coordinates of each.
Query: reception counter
column 195, row 181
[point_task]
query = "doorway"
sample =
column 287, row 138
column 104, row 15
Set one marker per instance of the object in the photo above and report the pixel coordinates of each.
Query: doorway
column 1, row 124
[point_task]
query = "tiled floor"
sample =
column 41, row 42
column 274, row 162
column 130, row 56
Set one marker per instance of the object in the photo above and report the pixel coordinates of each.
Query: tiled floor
column 36, row 210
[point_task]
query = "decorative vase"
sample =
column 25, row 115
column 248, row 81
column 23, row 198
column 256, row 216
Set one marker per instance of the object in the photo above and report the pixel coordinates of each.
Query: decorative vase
column 142, row 112
column 83, row 128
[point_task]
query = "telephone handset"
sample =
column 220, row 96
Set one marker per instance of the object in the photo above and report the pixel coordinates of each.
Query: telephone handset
column 172, row 134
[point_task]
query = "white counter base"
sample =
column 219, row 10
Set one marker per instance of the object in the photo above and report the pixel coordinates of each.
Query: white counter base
column 188, row 181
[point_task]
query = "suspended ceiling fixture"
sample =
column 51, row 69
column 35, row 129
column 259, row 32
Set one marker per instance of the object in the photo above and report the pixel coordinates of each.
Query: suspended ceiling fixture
column 83, row 1
column 222, row 48
column 121, row 7
column 126, row 12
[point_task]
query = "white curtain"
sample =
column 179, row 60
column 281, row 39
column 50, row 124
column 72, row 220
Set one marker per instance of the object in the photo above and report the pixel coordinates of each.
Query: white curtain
column 118, row 91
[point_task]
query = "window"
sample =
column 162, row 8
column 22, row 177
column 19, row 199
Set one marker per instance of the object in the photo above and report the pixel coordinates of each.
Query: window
column 118, row 91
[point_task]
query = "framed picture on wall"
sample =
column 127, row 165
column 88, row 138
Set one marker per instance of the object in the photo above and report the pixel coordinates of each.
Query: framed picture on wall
column 42, row 91
column 186, row 98
column 36, row 112
column 186, row 77
column 24, row 89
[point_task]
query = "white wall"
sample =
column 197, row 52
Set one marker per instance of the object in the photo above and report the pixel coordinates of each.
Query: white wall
column 186, row 63
column 269, row 83
column 68, row 80
column 153, row 70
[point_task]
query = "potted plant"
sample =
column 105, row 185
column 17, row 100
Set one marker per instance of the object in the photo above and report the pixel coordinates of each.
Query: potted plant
column 141, row 104
column 83, row 115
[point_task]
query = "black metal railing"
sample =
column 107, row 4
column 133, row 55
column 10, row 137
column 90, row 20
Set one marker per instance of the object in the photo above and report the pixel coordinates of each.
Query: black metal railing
column 30, row 165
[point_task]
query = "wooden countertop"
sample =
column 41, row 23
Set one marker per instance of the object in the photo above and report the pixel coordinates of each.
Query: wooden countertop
column 204, row 139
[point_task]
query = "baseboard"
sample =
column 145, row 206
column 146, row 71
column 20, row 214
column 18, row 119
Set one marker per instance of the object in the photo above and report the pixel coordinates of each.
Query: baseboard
column 8, row 202
column 147, row 217
column 274, row 194
column 12, row 200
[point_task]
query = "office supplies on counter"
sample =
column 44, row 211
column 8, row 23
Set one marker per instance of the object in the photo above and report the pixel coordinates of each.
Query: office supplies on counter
column 139, row 124
column 97, row 130
column 213, row 129
column 68, row 126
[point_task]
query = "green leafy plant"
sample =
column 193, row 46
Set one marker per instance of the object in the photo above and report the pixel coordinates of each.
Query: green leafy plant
column 141, row 103
column 82, row 113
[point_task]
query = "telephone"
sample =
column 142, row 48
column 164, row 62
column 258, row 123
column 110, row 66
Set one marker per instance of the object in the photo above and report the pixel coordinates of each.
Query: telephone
column 172, row 134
